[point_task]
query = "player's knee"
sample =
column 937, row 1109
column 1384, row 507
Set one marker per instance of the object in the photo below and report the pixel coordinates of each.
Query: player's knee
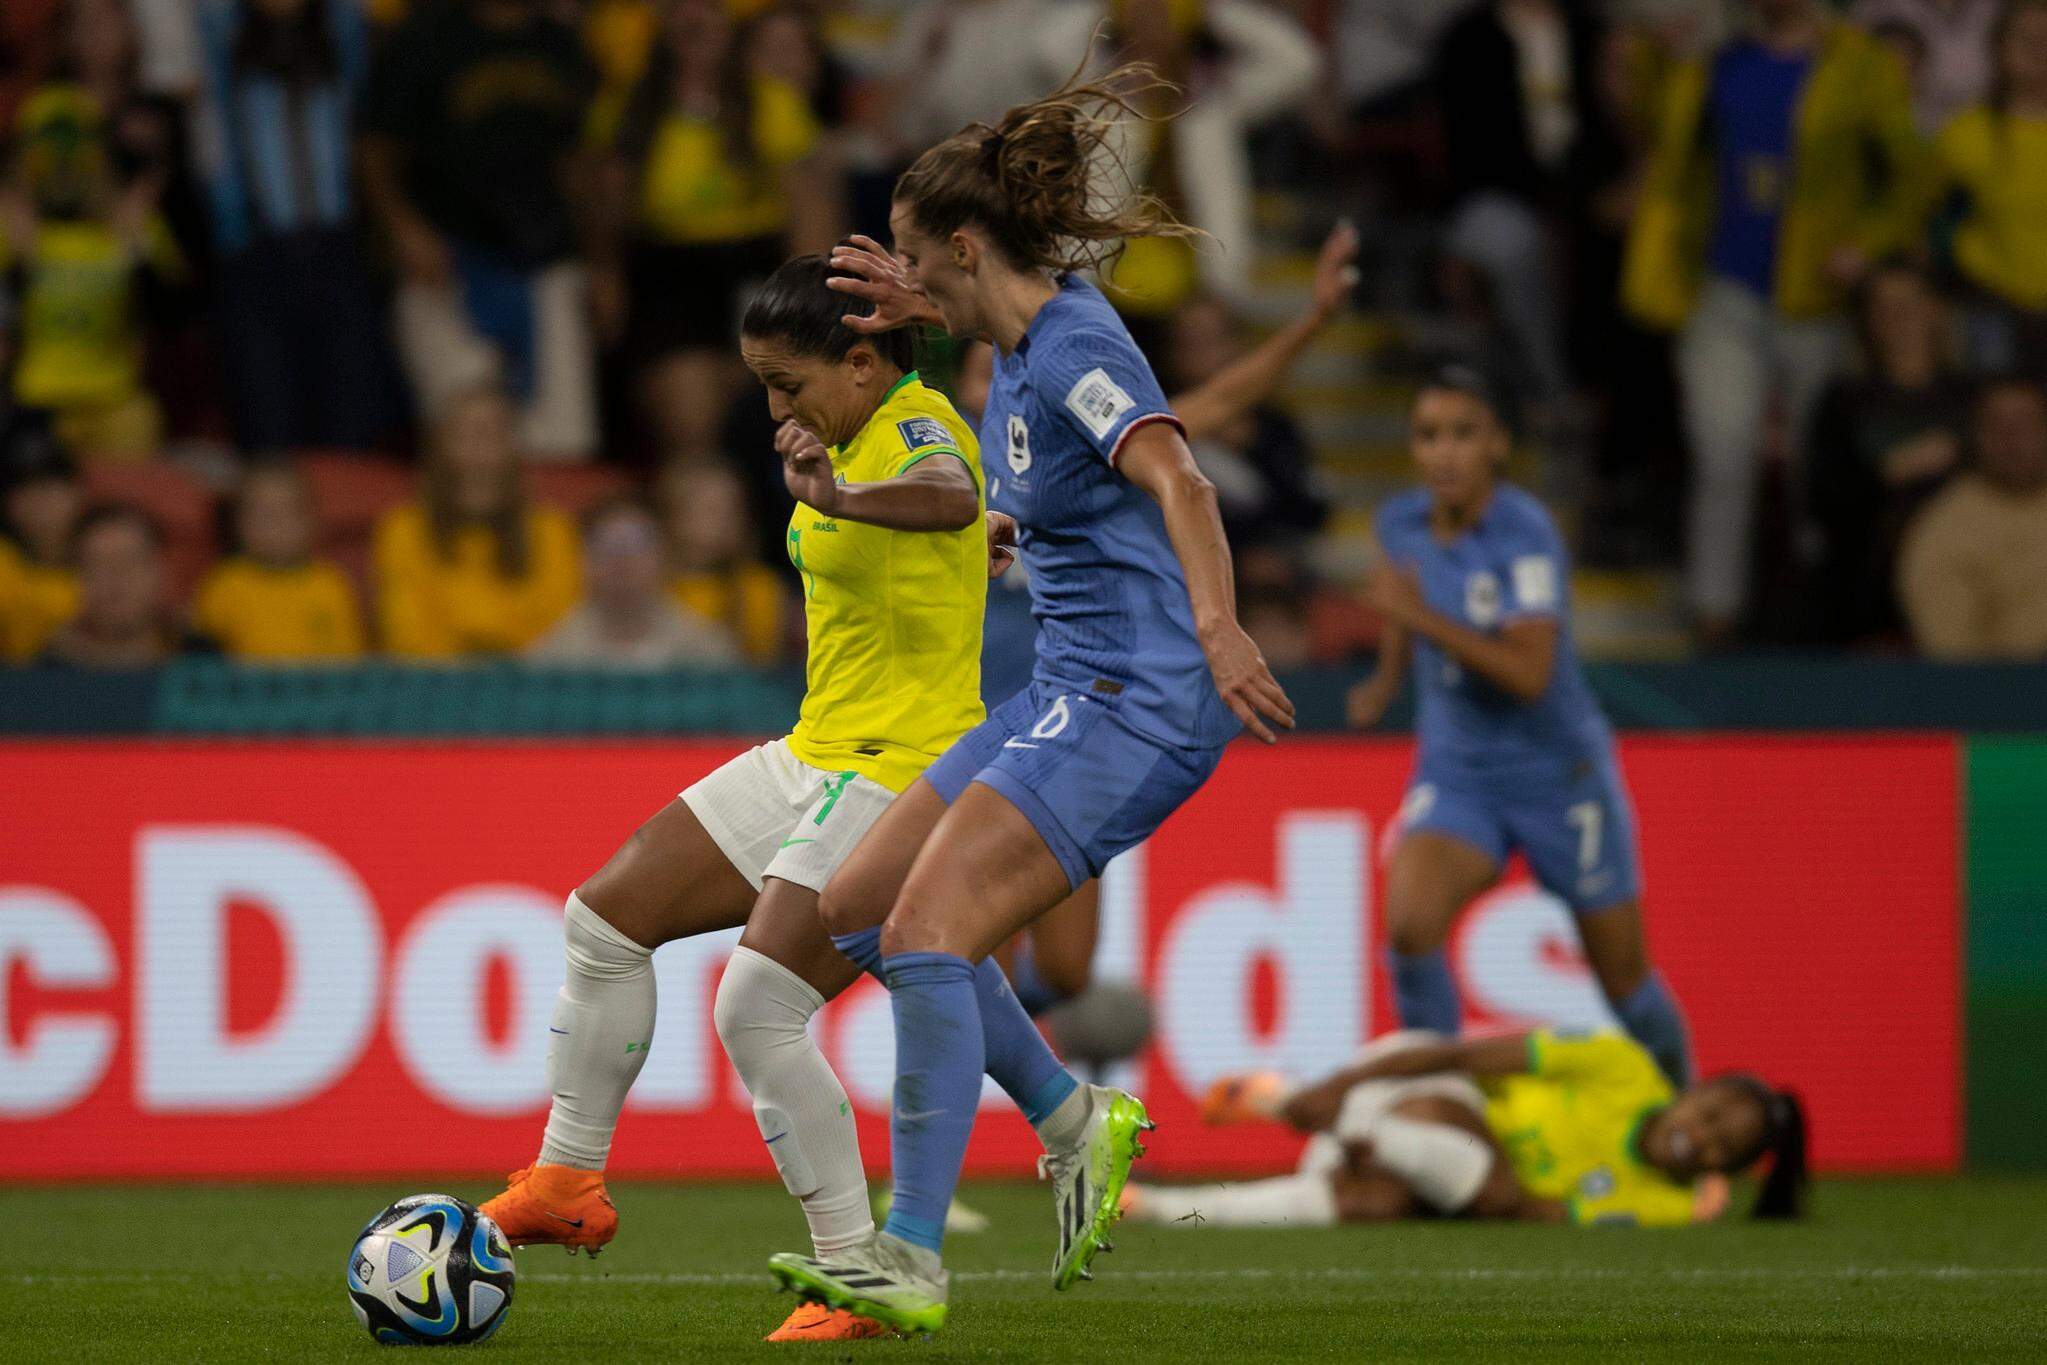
column 843, row 907
column 1414, row 931
column 759, row 1004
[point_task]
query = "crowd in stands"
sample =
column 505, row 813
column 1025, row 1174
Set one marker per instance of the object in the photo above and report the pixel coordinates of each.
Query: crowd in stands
column 337, row 327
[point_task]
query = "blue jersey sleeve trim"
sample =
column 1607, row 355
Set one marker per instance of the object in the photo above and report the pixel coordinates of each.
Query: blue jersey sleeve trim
column 1116, row 450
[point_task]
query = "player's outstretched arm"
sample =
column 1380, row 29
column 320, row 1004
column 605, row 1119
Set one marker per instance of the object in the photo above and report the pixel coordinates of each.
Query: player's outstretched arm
column 1313, row 1108
column 868, row 271
column 1245, row 383
column 1519, row 660
column 1155, row 458
column 934, row 494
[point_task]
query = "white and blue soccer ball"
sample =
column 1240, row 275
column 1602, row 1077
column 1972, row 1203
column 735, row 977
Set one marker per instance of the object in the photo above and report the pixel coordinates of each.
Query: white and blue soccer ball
column 430, row 1270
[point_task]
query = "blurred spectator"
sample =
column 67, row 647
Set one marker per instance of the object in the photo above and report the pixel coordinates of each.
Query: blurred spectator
column 626, row 620
column 1973, row 572
column 1954, row 44
column 1258, row 460
column 967, row 61
column 1518, row 82
column 713, row 178
column 1884, row 441
column 469, row 135
column 715, row 575
column 1307, row 621
column 1234, row 65
column 273, row 600
column 472, row 567
column 82, row 250
column 123, row 620
column 102, row 48
column 43, row 499
column 1382, row 49
column 1786, row 162
column 1994, row 156
column 299, row 330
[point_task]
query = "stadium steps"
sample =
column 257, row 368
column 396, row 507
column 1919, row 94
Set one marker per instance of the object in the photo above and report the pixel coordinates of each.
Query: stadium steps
column 1350, row 392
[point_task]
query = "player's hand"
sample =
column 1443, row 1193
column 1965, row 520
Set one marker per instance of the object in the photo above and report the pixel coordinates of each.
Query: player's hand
column 1001, row 543
column 870, row 272
column 1365, row 704
column 1314, row 1108
column 1247, row 685
column 1336, row 269
column 1396, row 594
column 807, row 467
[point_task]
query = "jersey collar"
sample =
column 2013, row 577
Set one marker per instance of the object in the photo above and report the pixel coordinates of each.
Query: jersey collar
column 893, row 389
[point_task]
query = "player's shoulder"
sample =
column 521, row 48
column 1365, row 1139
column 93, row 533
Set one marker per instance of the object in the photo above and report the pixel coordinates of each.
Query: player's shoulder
column 1519, row 516
column 1079, row 327
column 1403, row 514
column 916, row 416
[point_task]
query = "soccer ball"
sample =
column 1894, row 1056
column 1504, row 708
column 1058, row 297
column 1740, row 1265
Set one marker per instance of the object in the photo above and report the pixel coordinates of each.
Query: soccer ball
column 430, row 1271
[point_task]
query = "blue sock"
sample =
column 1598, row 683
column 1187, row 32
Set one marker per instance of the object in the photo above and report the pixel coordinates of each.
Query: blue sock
column 1032, row 991
column 1019, row 1059
column 1651, row 1014
column 1424, row 992
column 862, row 948
column 1017, row 1055
column 938, row 1084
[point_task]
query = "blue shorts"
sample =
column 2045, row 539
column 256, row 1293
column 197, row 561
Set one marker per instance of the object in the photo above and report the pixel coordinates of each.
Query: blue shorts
column 1089, row 784
column 1577, row 831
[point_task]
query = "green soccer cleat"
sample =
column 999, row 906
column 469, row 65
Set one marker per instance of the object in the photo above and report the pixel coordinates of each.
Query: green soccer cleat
column 1088, row 1180
column 883, row 1279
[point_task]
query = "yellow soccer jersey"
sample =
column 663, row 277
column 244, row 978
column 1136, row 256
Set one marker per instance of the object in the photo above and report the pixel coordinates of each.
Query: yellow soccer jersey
column 893, row 617
column 1570, row 1124
column 304, row 612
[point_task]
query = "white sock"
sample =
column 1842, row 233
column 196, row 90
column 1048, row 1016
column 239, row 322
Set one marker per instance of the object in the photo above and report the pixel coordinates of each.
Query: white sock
column 763, row 1011
column 1443, row 1164
column 1065, row 1124
column 603, row 1020
column 1284, row 1201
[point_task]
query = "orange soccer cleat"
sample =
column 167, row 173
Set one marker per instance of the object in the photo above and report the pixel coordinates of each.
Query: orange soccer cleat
column 555, row 1205
column 1246, row 1098
column 815, row 1322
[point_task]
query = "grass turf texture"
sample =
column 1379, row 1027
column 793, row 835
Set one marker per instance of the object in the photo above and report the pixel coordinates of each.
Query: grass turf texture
column 1913, row 1269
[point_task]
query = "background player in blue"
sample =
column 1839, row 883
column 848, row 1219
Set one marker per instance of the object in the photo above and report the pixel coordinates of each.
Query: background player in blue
column 1143, row 673
column 1513, row 751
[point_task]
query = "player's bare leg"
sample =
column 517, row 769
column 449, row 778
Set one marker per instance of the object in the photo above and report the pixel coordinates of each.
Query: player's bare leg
column 668, row 881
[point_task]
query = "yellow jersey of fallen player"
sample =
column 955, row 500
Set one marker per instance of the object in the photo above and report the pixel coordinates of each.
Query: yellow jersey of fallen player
column 1571, row 1126
column 893, row 617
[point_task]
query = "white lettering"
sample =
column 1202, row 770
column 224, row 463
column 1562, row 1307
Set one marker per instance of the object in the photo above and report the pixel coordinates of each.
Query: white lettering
column 62, row 1055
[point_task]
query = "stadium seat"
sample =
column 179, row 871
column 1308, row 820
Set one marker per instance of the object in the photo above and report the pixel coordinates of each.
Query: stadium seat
column 181, row 503
column 351, row 492
column 574, row 488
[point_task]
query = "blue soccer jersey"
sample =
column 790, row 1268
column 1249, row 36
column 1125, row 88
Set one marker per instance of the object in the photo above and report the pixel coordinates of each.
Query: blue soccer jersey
column 1114, row 622
column 1510, row 566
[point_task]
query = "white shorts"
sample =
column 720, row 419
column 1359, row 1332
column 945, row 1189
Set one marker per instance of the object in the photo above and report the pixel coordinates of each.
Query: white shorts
column 773, row 815
column 1366, row 1104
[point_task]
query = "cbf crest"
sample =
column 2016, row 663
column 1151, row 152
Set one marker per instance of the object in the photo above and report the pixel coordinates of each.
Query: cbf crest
column 1482, row 599
column 1019, row 443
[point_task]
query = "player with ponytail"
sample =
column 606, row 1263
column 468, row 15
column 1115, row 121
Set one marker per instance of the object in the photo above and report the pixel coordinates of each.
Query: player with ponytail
column 1142, row 675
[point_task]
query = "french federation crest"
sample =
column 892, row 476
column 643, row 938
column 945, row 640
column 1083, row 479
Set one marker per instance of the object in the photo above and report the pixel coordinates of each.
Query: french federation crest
column 1482, row 599
column 1019, row 443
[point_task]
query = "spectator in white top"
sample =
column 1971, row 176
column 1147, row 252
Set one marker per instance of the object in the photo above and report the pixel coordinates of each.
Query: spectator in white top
column 626, row 619
column 1956, row 63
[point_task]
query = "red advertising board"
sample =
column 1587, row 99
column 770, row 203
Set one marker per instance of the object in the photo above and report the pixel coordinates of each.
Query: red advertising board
column 338, row 959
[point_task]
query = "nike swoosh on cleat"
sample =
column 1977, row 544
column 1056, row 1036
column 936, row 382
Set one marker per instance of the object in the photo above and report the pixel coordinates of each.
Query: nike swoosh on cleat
column 562, row 1031
column 572, row 1222
column 791, row 843
column 778, row 1137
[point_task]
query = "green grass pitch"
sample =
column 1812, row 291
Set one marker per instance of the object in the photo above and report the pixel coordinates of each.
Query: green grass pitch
column 1954, row 1270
